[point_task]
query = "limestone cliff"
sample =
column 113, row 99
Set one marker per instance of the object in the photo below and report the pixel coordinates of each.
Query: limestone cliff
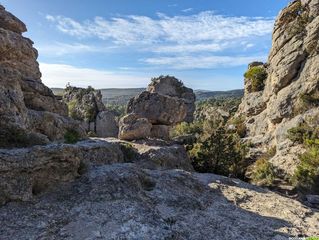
column 29, row 112
column 277, row 102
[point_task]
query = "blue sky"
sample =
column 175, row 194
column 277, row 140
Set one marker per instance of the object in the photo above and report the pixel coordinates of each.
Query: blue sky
column 123, row 43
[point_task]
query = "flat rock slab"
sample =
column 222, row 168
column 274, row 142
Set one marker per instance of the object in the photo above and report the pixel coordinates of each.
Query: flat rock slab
column 26, row 172
column 123, row 201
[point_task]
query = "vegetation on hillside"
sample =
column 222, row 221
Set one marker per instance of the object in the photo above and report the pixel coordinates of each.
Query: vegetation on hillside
column 257, row 75
column 306, row 176
column 216, row 149
column 71, row 136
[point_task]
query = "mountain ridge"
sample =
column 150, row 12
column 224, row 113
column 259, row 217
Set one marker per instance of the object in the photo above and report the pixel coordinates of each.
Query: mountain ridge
column 120, row 96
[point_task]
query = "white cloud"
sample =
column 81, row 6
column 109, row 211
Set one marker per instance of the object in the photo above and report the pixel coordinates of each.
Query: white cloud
column 132, row 29
column 187, row 10
column 59, row 49
column 202, row 62
column 178, row 42
column 213, row 47
column 58, row 75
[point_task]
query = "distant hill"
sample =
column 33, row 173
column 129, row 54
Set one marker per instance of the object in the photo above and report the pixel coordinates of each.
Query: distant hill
column 120, row 96
column 203, row 94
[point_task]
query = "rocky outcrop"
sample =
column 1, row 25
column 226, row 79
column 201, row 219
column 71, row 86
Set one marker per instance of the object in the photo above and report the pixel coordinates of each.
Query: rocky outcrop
column 22, row 94
column 106, row 124
column 157, row 108
column 170, row 86
column 133, row 127
column 85, row 104
column 27, row 172
column 125, row 201
column 165, row 103
column 292, row 69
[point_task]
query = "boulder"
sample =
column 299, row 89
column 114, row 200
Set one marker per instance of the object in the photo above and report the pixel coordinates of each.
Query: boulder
column 165, row 103
column 157, row 108
column 171, row 86
column 160, row 132
column 106, row 125
column 132, row 127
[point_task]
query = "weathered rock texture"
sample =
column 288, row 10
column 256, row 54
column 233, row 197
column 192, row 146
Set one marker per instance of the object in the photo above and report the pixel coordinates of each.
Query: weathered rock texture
column 165, row 103
column 27, row 172
column 170, row 86
column 24, row 99
column 293, row 70
column 111, row 199
column 133, row 127
column 85, row 104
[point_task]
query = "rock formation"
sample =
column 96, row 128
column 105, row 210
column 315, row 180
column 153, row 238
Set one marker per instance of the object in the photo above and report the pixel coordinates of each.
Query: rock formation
column 111, row 196
column 170, row 86
column 291, row 78
column 86, row 105
column 29, row 112
column 113, row 189
column 24, row 173
column 165, row 103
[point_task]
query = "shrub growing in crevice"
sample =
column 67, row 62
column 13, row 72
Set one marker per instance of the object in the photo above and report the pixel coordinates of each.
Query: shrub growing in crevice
column 240, row 126
column 71, row 136
column 300, row 133
column 129, row 152
column 257, row 75
column 306, row 176
column 262, row 172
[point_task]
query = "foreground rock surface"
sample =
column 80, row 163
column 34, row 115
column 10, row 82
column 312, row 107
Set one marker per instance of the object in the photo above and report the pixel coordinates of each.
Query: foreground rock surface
column 112, row 189
column 122, row 201
column 30, row 171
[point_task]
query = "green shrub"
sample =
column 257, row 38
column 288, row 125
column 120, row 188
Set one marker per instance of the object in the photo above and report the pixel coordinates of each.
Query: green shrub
column 117, row 109
column 239, row 123
column 257, row 75
column 219, row 153
column 129, row 152
column 187, row 128
column 300, row 133
column 312, row 238
column 71, row 136
column 89, row 113
column 72, row 110
column 306, row 175
column 262, row 172
column 13, row 137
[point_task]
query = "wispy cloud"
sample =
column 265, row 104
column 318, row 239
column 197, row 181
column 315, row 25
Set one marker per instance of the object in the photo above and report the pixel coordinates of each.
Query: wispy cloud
column 60, row 49
column 177, row 42
column 58, row 75
column 187, row 10
column 129, row 30
column 202, row 62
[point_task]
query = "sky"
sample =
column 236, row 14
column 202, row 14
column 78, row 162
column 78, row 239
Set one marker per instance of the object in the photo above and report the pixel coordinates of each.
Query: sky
column 124, row 43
